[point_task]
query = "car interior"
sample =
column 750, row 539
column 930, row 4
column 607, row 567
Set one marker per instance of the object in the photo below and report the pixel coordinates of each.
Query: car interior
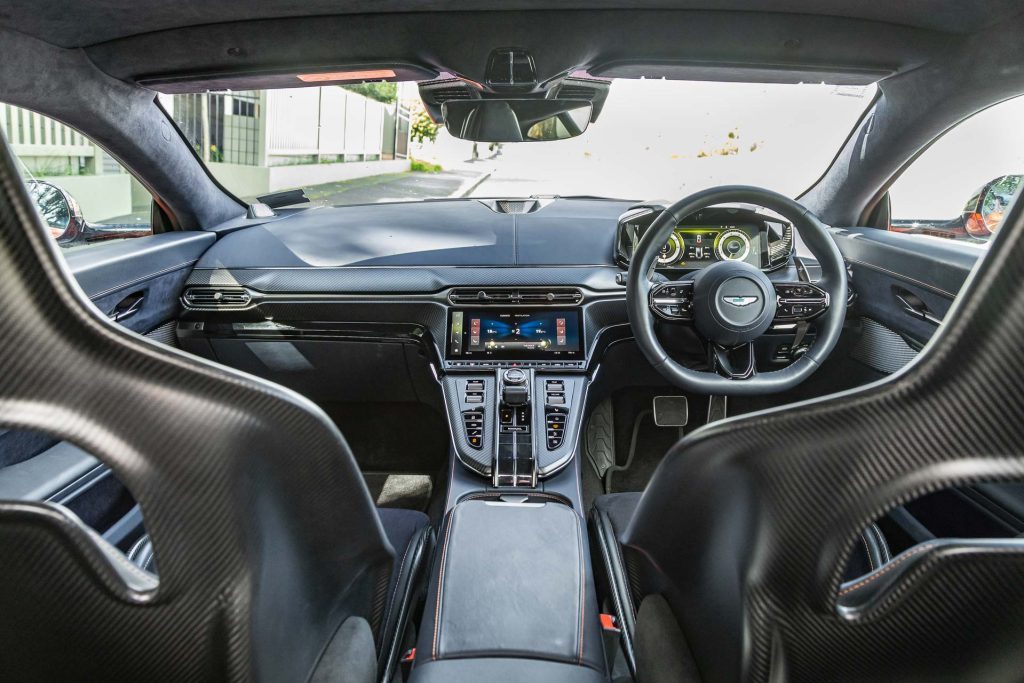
column 739, row 433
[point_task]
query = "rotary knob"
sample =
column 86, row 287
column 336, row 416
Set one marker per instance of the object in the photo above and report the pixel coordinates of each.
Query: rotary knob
column 515, row 376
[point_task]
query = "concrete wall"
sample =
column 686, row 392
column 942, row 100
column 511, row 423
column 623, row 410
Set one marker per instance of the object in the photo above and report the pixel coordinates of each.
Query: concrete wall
column 101, row 196
column 250, row 181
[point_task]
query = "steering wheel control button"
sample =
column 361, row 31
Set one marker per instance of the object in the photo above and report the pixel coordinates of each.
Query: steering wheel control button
column 673, row 301
column 800, row 301
column 733, row 303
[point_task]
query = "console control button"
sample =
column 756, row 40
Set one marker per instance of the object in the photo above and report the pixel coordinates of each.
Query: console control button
column 554, row 427
column 515, row 376
column 473, row 421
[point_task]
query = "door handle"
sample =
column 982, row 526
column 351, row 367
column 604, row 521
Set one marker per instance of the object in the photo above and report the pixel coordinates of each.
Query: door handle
column 127, row 307
column 914, row 306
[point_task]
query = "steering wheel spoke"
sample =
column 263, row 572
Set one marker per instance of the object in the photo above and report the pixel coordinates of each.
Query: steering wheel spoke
column 672, row 301
column 738, row 362
column 799, row 301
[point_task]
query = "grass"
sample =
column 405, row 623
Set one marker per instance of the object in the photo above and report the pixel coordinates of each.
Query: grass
column 420, row 166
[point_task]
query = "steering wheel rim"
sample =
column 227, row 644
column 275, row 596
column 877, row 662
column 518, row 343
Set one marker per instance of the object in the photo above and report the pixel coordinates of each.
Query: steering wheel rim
column 828, row 325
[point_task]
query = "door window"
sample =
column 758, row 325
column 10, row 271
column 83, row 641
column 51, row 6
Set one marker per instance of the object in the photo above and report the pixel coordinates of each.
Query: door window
column 83, row 194
column 960, row 187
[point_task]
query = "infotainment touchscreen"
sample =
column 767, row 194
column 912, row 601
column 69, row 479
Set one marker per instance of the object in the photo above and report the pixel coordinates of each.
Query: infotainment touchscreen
column 515, row 334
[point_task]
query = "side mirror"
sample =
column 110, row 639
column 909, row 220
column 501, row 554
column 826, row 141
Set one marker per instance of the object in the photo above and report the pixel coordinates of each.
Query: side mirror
column 59, row 210
column 984, row 210
column 516, row 120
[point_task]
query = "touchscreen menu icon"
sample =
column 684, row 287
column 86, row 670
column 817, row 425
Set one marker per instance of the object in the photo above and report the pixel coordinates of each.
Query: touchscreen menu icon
column 560, row 331
column 457, row 333
column 474, row 332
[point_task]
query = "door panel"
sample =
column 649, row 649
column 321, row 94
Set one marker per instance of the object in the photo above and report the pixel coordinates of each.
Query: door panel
column 138, row 281
column 906, row 283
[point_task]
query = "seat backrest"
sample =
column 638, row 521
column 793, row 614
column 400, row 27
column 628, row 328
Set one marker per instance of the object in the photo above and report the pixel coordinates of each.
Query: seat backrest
column 746, row 526
column 266, row 535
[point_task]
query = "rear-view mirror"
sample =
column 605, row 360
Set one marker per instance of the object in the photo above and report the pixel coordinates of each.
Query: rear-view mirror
column 522, row 120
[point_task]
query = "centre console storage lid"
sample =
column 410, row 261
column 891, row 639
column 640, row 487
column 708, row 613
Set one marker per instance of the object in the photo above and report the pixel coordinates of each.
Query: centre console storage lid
column 511, row 581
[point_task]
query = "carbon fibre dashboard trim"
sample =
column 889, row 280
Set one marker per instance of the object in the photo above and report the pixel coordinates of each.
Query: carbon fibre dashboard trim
column 600, row 312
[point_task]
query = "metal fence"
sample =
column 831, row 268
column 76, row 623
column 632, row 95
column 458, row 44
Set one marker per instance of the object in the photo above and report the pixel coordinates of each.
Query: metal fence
column 34, row 135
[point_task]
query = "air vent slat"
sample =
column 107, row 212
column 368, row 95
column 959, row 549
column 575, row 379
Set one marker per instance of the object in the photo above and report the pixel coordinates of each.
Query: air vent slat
column 575, row 92
column 216, row 297
column 497, row 296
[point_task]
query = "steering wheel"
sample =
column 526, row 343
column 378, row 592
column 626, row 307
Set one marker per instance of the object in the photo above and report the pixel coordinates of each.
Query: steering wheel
column 732, row 303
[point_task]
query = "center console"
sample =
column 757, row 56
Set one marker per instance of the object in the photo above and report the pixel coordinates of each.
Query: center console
column 514, row 387
column 511, row 595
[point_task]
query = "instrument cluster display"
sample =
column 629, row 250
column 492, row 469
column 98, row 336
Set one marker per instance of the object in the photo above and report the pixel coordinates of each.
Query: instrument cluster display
column 692, row 246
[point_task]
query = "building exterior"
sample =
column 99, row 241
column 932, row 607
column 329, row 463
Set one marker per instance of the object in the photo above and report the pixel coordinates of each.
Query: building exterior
column 253, row 142
column 272, row 140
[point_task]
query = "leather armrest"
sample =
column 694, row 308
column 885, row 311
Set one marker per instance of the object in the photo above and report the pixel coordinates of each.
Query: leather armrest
column 512, row 581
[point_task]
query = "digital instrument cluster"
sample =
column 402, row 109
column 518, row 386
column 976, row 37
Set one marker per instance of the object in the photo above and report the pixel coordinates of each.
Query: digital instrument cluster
column 726, row 233
column 697, row 246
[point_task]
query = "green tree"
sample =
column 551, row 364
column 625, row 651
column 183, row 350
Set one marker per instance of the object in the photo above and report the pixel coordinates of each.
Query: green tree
column 380, row 91
column 422, row 127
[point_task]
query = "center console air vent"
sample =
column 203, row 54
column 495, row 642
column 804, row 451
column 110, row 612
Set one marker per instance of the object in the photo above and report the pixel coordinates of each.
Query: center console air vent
column 216, row 297
column 497, row 296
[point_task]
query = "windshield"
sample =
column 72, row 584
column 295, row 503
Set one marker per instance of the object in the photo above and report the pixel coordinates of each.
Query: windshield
column 653, row 139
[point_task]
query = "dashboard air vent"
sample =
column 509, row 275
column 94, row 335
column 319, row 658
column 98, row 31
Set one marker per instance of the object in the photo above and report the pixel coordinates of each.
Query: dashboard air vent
column 216, row 297
column 516, row 206
column 539, row 296
column 528, row 205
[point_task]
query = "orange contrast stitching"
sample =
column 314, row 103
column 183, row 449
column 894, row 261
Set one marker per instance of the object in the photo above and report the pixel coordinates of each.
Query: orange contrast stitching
column 895, row 563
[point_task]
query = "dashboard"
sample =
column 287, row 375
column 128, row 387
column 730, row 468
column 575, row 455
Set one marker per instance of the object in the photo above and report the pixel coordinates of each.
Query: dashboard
column 467, row 283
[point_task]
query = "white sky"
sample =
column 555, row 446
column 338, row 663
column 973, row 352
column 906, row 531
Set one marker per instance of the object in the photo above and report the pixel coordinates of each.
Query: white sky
column 647, row 141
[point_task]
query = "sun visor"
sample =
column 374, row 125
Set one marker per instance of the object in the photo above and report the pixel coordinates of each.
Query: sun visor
column 295, row 77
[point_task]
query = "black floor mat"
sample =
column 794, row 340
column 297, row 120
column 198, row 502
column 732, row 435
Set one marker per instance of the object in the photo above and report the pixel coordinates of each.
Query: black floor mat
column 407, row 438
column 407, row 491
column 652, row 444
